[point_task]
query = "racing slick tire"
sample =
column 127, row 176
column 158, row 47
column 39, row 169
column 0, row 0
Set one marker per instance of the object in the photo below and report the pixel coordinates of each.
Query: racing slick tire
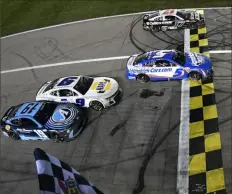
column 155, row 28
column 142, row 78
column 193, row 26
column 194, row 76
column 55, row 138
column 96, row 105
column 13, row 135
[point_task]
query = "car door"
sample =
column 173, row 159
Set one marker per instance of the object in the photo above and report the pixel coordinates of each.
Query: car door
column 163, row 69
column 64, row 95
column 78, row 99
column 169, row 20
column 28, row 129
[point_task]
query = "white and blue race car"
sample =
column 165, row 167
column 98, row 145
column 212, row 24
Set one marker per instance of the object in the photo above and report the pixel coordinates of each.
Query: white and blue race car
column 165, row 65
column 94, row 92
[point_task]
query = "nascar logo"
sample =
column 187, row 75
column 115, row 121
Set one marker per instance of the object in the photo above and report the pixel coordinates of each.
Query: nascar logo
column 152, row 70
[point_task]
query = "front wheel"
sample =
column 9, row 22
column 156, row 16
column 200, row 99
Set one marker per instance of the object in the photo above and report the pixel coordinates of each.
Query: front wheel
column 13, row 135
column 155, row 28
column 195, row 76
column 96, row 105
column 142, row 78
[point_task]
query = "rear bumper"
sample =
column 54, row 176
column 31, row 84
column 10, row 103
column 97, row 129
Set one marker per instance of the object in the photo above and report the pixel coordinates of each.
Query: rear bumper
column 77, row 130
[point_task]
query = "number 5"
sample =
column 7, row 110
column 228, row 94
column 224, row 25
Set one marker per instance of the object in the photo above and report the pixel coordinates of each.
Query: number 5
column 178, row 73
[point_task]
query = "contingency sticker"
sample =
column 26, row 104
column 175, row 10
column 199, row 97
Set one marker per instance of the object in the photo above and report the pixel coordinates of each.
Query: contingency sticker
column 102, row 85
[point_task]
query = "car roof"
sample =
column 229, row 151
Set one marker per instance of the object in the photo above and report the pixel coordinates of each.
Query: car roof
column 60, row 85
column 160, row 54
column 34, row 107
column 167, row 12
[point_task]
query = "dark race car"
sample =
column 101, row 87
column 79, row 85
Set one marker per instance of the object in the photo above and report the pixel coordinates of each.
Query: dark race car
column 173, row 19
column 43, row 120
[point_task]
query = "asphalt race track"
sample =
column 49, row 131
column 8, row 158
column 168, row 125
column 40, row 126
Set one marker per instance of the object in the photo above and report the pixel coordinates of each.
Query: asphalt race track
column 113, row 147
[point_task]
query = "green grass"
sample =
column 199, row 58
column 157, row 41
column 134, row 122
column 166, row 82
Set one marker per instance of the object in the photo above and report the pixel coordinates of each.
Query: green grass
column 21, row 15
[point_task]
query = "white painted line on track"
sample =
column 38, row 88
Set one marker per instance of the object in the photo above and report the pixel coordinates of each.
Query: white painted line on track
column 64, row 63
column 220, row 51
column 99, row 18
column 89, row 61
column 187, row 44
column 183, row 151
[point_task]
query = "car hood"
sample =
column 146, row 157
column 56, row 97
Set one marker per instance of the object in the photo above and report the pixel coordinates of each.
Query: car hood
column 198, row 60
column 63, row 117
column 102, row 87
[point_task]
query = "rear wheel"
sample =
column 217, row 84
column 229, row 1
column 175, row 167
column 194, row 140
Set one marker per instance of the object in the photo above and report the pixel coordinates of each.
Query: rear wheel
column 96, row 105
column 13, row 135
column 193, row 26
column 195, row 76
column 55, row 138
column 142, row 78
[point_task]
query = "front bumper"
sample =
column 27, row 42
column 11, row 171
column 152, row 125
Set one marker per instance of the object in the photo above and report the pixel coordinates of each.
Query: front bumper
column 115, row 99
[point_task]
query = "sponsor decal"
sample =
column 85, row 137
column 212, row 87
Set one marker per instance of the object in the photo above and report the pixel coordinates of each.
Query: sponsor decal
column 61, row 115
column 102, row 85
column 159, row 23
column 151, row 70
column 70, row 186
column 196, row 59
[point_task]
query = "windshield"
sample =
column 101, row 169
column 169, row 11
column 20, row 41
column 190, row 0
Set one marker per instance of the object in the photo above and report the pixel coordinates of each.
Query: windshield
column 51, row 85
column 45, row 112
column 180, row 14
column 140, row 58
column 83, row 84
column 179, row 57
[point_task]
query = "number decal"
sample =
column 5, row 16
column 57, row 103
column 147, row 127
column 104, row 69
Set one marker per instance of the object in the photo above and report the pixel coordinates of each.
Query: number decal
column 40, row 133
column 180, row 24
column 29, row 108
column 178, row 73
column 67, row 81
column 80, row 101
column 168, row 11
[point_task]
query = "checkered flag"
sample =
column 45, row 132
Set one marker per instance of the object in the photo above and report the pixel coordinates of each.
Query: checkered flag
column 57, row 177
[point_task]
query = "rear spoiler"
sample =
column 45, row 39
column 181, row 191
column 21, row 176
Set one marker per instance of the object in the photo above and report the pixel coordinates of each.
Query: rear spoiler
column 43, row 87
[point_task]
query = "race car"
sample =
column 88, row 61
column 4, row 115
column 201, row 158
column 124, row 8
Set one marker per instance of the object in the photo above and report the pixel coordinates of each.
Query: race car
column 173, row 19
column 164, row 65
column 44, row 120
column 96, row 93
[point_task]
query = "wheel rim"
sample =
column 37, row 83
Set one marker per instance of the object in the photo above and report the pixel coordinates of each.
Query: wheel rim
column 13, row 135
column 142, row 78
column 194, row 76
column 97, row 105
column 56, row 138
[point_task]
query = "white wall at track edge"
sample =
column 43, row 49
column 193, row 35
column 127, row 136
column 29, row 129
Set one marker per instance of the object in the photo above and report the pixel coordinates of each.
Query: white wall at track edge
column 99, row 18
column 183, row 151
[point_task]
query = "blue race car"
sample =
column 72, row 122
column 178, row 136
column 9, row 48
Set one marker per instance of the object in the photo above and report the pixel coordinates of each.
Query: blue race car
column 43, row 120
column 164, row 65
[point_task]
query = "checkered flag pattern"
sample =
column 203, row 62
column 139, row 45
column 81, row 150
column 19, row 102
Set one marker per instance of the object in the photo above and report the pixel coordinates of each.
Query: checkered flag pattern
column 206, row 174
column 57, row 177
